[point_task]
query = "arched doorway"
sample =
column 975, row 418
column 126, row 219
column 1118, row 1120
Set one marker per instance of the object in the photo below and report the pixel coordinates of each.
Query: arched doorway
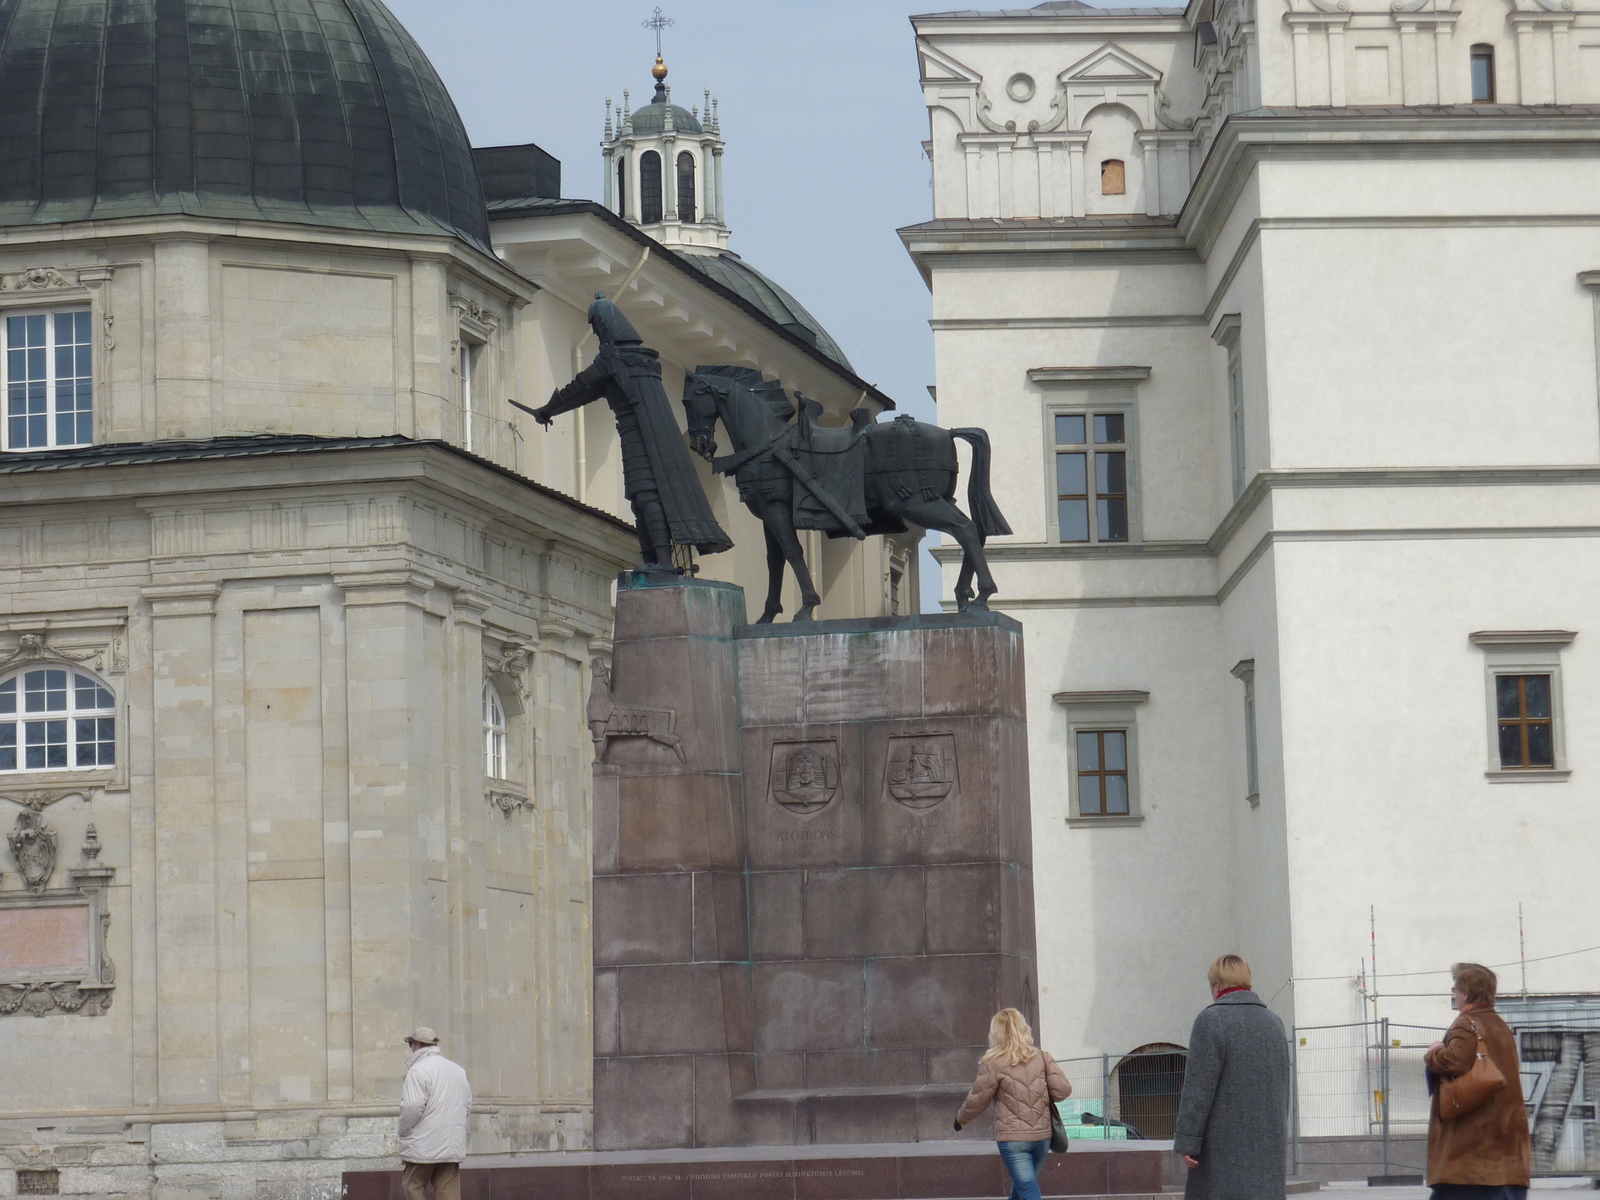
column 1149, row 1082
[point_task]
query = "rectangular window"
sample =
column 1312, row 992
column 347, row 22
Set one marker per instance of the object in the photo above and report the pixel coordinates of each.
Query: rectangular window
column 1236, row 421
column 1103, row 741
column 1103, row 772
column 468, row 352
column 1483, row 74
column 47, row 367
column 1525, row 720
column 1523, row 675
column 1091, row 477
column 1245, row 672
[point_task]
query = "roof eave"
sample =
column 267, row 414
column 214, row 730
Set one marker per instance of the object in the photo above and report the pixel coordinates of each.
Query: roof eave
column 699, row 278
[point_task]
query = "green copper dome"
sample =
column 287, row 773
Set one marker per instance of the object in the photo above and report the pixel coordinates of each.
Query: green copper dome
column 317, row 112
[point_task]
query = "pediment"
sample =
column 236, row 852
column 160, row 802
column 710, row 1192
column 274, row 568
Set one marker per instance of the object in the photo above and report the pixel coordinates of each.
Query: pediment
column 1110, row 64
column 939, row 67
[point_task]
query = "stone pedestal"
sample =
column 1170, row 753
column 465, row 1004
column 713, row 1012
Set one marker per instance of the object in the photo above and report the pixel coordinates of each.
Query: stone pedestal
column 812, row 871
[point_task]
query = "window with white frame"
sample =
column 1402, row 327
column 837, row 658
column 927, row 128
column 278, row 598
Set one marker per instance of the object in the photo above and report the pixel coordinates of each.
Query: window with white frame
column 46, row 371
column 1102, row 740
column 1245, row 672
column 56, row 719
column 1522, row 681
column 495, row 764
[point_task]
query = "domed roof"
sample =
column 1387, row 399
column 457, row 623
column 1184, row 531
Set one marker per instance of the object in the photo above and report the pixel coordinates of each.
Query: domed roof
column 324, row 113
column 652, row 118
column 738, row 276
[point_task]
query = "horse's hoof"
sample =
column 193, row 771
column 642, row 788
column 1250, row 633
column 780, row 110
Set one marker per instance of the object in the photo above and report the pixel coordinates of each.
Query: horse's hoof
column 978, row 606
column 765, row 618
column 807, row 613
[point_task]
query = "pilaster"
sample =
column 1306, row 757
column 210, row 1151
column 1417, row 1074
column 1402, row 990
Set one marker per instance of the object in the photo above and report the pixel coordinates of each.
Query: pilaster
column 183, row 766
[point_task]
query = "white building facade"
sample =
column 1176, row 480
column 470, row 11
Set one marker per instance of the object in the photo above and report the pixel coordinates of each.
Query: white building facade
column 1288, row 312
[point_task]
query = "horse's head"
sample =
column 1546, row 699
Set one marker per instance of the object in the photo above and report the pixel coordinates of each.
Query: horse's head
column 701, row 394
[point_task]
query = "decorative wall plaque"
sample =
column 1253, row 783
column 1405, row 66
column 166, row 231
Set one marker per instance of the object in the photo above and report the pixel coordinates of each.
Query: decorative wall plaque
column 805, row 775
column 921, row 771
column 53, row 948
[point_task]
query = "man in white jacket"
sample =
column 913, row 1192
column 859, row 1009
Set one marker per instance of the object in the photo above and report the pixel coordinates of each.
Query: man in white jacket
column 434, row 1102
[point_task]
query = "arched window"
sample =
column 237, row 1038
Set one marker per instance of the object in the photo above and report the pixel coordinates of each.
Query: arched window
column 686, row 187
column 622, row 186
column 1483, row 73
column 494, row 733
column 55, row 719
column 649, row 187
column 1113, row 177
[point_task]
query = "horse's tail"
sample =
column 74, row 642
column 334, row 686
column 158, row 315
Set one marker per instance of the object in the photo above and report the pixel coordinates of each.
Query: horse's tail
column 981, row 507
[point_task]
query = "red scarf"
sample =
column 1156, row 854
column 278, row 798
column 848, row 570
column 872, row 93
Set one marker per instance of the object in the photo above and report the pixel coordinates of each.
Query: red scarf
column 1225, row 991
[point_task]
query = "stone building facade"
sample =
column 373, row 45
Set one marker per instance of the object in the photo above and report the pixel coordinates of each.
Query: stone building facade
column 1290, row 308
column 296, row 613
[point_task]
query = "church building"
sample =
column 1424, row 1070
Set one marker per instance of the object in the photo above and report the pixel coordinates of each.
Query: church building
column 1287, row 310
column 297, row 613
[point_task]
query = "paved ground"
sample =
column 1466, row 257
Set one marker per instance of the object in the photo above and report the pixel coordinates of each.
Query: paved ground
column 1349, row 1191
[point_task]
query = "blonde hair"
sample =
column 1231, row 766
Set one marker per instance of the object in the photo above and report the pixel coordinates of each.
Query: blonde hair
column 1010, row 1038
column 1476, row 980
column 1229, row 971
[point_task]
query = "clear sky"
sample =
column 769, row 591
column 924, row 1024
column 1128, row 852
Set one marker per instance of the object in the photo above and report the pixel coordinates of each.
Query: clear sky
column 821, row 112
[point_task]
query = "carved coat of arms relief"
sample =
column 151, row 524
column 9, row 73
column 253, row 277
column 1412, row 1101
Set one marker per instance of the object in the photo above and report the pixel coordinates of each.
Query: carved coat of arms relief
column 805, row 775
column 921, row 769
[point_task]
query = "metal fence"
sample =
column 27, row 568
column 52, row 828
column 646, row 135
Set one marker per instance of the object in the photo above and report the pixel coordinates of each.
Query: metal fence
column 1124, row 1096
column 1360, row 1096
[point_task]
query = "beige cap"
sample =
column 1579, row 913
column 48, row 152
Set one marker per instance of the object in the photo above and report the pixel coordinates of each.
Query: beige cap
column 424, row 1035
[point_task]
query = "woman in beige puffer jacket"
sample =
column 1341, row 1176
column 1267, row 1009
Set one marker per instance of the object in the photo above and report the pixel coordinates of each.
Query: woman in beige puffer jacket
column 1023, row 1083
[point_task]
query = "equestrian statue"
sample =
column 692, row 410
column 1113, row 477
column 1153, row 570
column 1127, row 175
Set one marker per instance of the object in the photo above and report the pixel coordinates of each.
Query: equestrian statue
column 658, row 477
column 869, row 478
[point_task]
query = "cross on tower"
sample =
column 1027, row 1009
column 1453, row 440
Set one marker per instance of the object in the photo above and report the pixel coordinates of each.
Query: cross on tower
column 658, row 23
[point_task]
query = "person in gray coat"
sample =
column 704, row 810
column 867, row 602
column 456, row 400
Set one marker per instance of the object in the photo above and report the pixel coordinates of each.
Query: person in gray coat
column 1233, row 1118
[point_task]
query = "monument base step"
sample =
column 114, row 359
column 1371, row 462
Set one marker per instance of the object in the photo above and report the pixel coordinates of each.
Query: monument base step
column 886, row 1171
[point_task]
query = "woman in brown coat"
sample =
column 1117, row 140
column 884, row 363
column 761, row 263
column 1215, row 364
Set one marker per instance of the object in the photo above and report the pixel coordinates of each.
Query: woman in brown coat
column 1023, row 1083
column 1484, row 1154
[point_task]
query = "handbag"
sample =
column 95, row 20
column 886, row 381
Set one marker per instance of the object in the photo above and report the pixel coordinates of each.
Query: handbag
column 1467, row 1093
column 1058, row 1130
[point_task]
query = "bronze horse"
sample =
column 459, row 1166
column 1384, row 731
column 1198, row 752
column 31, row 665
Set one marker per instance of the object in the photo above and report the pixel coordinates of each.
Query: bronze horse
column 867, row 479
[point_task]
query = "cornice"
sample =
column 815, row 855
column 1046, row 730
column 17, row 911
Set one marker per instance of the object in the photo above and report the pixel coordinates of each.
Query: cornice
column 1244, row 140
column 183, row 228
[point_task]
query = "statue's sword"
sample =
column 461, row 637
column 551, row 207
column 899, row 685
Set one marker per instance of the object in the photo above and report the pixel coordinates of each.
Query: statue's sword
column 808, row 481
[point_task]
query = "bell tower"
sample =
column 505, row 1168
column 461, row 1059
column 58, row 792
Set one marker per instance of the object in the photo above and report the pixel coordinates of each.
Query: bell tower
column 663, row 166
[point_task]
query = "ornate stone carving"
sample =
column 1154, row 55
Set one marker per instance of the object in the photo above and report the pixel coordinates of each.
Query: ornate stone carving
column 41, row 799
column 508, row 801
column 42, row 998
column 921, row 769
column 805, row 775
column 984, row 105
column 34, row 279
column 609, row 721
column 31, row 647
column 33, row 846
column 91, row 846
column 513, row 662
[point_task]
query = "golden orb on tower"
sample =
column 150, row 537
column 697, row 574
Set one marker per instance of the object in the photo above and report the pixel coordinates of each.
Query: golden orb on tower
column 660, row 69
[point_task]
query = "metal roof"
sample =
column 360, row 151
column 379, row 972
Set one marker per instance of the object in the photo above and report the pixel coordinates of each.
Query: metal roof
column 733, row 273
column 319, row 112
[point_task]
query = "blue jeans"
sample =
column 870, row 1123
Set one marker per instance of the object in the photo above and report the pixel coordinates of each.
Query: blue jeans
column 1023, row 1161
